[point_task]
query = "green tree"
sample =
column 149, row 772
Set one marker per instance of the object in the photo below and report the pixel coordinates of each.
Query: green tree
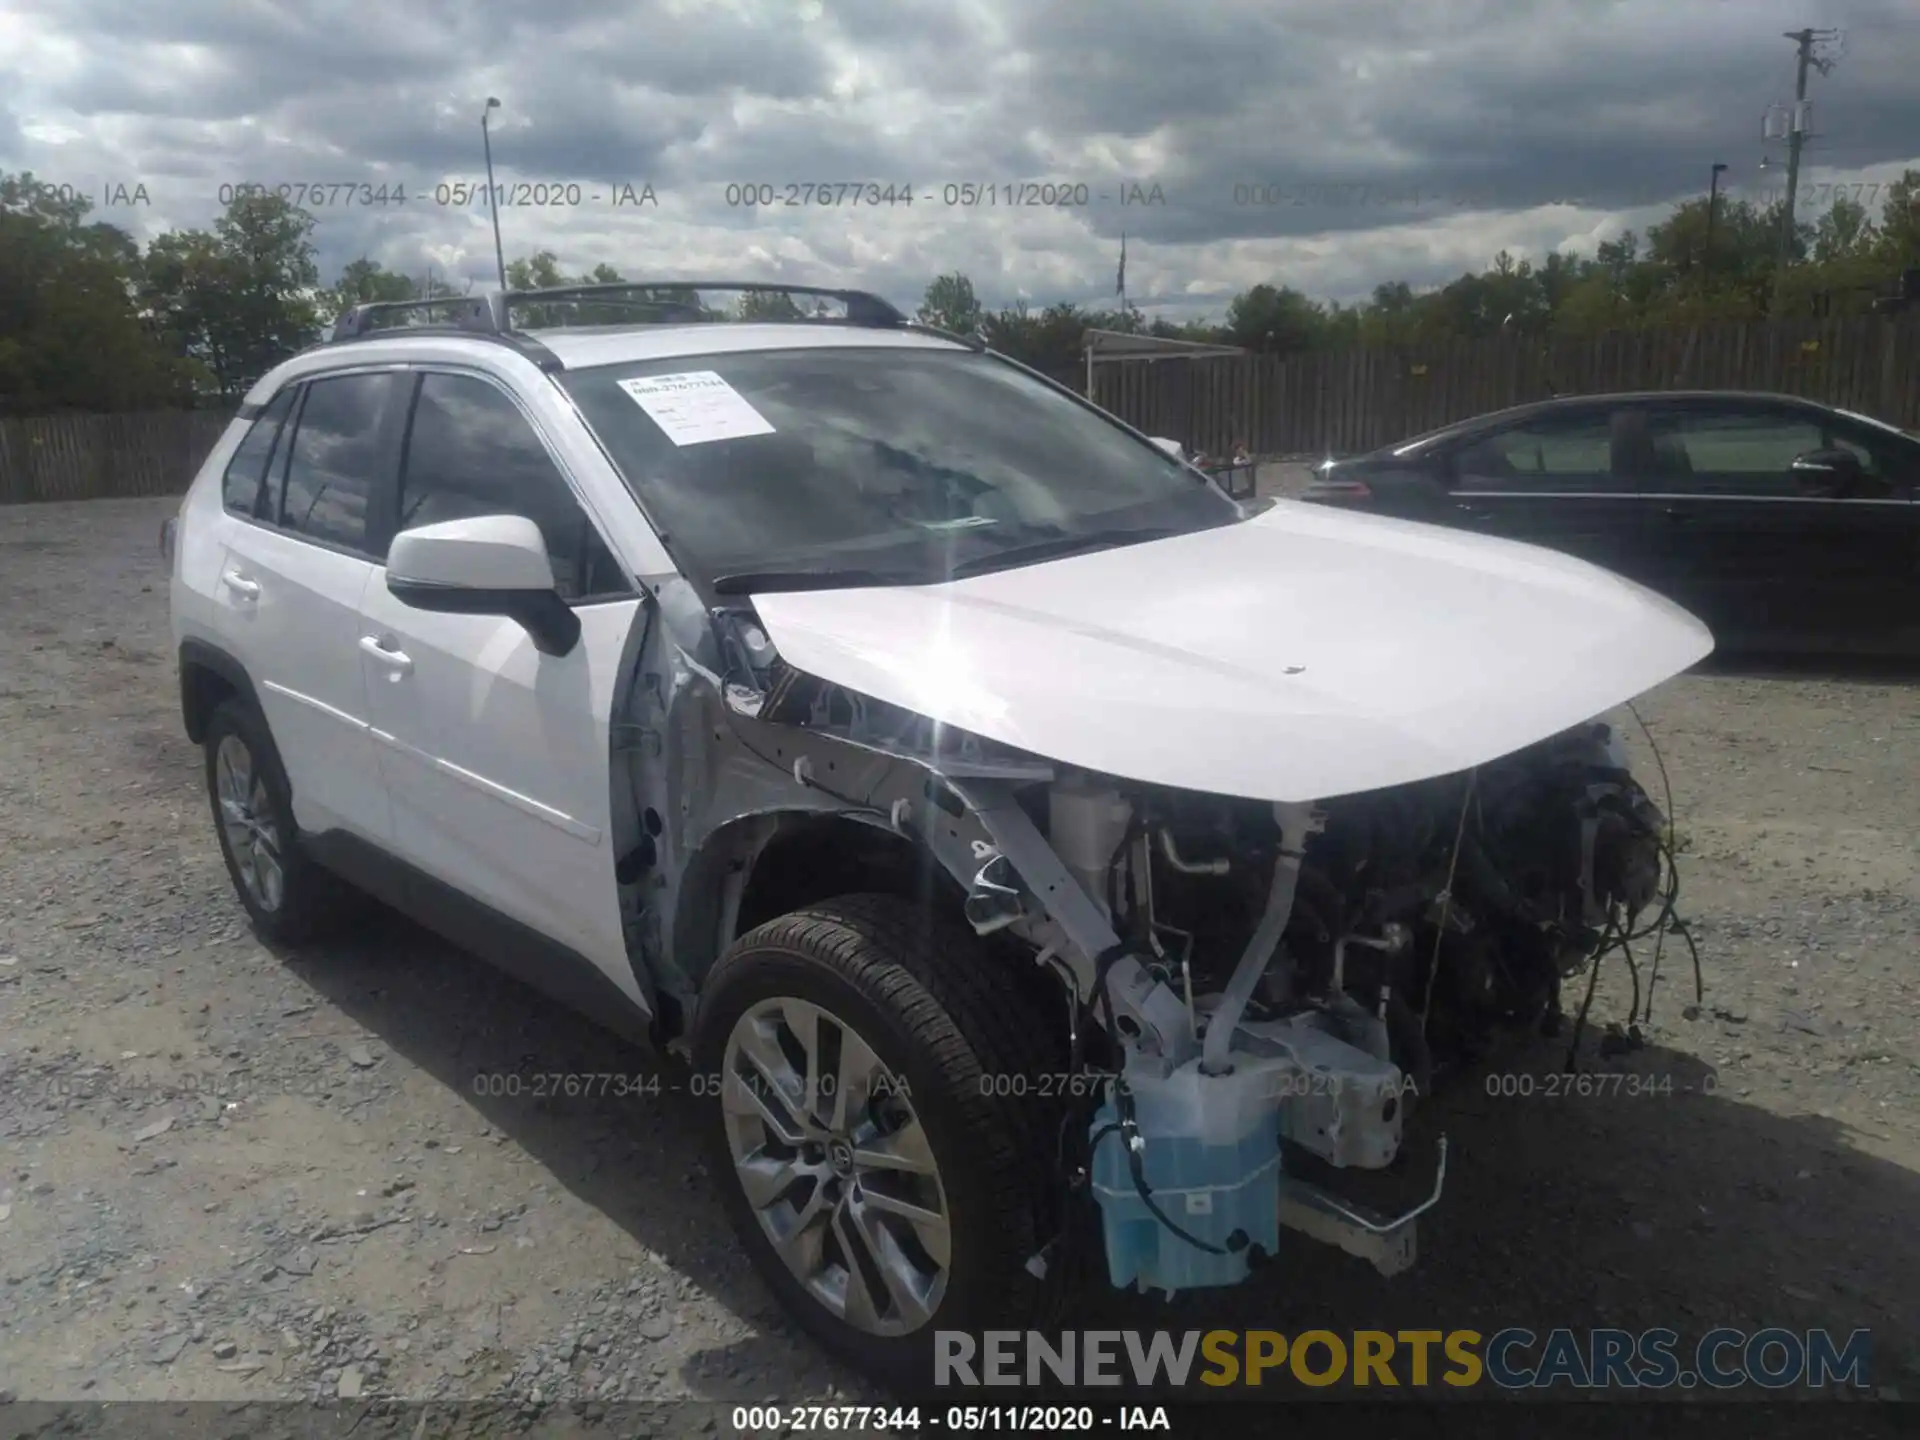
column 774, row 305
column 1276, row 320
column 240, row 298
column 951, row 305
column 1898, row 233
column 1844, row 233
column 364, row 282
column 542, row 271
column 1050, row 340
column 71, row 336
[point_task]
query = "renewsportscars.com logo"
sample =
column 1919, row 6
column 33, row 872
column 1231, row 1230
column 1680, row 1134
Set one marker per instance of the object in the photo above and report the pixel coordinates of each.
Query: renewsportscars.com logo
column 1509, row 1359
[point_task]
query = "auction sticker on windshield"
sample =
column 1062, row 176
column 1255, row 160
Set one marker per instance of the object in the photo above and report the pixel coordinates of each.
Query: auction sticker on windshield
column 696, row 407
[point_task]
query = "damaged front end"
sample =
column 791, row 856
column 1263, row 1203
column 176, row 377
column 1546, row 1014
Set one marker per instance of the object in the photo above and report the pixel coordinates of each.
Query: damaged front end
column 1252, row 989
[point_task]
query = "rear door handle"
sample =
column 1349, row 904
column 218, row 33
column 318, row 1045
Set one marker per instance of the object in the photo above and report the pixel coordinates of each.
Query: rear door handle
column 397, row 662
column 1473, row 512
column 239, row 584
column 1678, row 515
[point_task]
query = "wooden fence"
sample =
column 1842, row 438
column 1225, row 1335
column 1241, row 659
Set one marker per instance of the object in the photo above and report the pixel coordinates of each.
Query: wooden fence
column 1339, row 401
column 1347, row 400
column 93, row 457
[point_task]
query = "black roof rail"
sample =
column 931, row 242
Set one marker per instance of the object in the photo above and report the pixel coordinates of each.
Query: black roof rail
column 490, row 316
column 471, row 323
column 470, row 313
column 863, row 308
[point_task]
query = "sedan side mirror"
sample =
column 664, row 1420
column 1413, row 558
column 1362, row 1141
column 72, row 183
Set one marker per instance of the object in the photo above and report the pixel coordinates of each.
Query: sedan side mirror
column 487, row 565
column 1172, row 447
column 1827, row 472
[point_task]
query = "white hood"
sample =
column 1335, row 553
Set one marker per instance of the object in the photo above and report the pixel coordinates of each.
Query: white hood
column 1304, row 653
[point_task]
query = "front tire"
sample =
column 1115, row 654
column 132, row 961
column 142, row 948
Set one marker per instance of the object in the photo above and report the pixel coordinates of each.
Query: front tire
column 288, row 897
column 884, row 1168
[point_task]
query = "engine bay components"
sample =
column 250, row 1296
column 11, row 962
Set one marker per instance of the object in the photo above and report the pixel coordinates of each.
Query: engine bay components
column 1396, row 925
column 1259, row 989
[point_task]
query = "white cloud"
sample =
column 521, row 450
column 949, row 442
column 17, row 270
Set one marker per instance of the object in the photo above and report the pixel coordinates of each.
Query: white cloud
column 1487, row 110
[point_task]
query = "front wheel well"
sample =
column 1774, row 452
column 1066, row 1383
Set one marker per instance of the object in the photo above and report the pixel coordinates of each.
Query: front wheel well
column 807, row 861
column 820, row 858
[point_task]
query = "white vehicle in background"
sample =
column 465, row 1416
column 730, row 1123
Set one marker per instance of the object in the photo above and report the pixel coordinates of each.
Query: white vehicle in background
column 1031, row 847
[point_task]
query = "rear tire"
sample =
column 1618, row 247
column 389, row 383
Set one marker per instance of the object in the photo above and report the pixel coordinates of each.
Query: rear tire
column 288, row 897
column 961, row 1060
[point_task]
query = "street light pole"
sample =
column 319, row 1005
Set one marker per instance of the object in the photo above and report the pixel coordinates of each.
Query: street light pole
column 1713, row 195
column 493, row 199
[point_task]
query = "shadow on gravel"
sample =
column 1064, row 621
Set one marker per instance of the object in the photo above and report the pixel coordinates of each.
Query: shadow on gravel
column 1616, row 1206
column 1843, row 669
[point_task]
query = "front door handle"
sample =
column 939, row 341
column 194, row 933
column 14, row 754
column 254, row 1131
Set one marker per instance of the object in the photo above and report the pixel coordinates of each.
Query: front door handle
column 239, row 584
column 1678, row 515
column 397, row 662
column 1473, row 512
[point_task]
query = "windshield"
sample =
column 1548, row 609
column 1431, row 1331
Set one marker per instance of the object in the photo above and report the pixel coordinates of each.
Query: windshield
column 887, row 465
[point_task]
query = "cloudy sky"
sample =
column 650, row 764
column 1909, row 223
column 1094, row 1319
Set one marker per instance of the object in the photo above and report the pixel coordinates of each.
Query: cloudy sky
column 1326, row 144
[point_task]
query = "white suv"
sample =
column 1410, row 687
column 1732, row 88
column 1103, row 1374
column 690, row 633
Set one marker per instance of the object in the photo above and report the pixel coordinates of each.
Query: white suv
column 940, row 765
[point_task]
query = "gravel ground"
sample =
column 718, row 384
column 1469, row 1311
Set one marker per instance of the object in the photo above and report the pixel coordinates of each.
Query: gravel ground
column 232, row 1175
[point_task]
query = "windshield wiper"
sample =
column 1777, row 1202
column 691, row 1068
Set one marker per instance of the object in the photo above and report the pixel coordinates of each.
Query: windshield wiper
column 1058, row 547
column 1053, row 547
column 772, row 581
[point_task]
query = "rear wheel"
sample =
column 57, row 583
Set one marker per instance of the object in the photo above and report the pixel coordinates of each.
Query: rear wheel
column 878, row 1137
column 287, row 896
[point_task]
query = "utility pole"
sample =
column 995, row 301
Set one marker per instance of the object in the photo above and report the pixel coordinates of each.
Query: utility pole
column 1713, row 198
column 1797, row 125
column 493, row 199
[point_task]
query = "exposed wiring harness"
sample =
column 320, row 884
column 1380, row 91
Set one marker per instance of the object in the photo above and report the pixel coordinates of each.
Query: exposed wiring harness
column 1617, row 933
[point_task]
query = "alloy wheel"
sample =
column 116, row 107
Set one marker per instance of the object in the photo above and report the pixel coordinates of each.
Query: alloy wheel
column 246, row 815
column 835, row 1163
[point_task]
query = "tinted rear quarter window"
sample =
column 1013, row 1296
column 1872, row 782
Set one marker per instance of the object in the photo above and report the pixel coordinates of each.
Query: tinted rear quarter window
column 1547, row 453
column 334, row 458
column 248, row 467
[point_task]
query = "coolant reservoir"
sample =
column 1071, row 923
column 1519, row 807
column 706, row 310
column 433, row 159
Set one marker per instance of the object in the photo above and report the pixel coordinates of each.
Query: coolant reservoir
column 1085, row 825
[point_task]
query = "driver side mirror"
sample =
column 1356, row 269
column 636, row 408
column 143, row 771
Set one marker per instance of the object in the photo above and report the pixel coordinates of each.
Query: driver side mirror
column 487, row 565
column 1827, row 472
column 1172, row 447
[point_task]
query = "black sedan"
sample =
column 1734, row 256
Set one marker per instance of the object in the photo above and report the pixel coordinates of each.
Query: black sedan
column 1784, row 525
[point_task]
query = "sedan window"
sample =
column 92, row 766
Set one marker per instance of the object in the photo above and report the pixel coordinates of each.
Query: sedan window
column 1730, row 452
column 1550, row 453
column 1724, row 450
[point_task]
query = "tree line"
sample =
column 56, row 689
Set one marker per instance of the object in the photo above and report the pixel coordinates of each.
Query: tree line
column 1686, row 269
column 91, row 321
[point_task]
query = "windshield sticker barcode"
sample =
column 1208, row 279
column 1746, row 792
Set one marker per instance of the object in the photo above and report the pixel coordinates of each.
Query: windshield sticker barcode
column 696, row 407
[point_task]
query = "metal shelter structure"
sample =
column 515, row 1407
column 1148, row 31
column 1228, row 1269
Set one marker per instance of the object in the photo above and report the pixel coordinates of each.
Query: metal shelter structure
column 1108, row 346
